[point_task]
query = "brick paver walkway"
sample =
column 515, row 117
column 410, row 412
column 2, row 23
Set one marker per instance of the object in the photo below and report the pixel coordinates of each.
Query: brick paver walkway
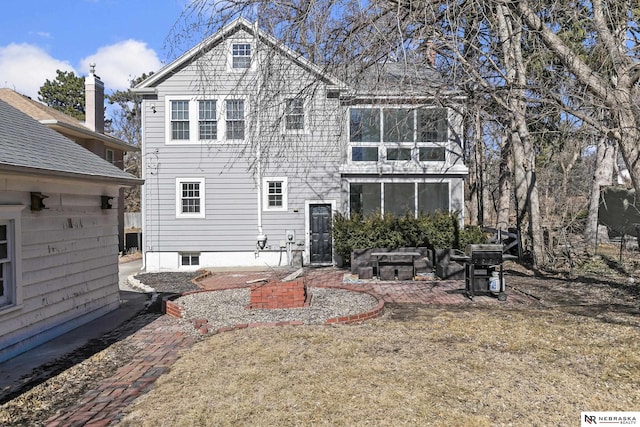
column 161, row 340
column 159, row 343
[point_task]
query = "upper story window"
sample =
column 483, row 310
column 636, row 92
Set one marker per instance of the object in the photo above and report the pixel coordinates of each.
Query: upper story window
column 398, row 125
column 364, row 125
column 207, row 119
column 432, row 125
column 190, row 198
column 180, row 120
column 235, row 119
column 203, row 120
column 364, row 154
column 294, row 114
column 109, row 156
column 431, row 154
column 240, row 55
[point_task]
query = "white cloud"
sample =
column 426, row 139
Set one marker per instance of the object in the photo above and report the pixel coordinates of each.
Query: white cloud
column 25, row 68
column 117, row 64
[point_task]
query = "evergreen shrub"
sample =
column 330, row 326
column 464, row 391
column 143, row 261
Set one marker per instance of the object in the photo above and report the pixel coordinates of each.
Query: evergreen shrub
column 435, row 231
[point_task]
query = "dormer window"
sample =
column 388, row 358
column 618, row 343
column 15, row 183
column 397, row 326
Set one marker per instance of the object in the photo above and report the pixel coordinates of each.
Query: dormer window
column 241, row 55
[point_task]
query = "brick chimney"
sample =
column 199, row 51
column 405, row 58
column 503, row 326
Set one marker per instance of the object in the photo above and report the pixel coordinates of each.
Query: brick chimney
column 94, row 101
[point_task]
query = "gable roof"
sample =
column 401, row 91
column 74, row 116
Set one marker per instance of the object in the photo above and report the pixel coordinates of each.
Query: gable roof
column 59, row 121
column 28, row 146
column 228, row 30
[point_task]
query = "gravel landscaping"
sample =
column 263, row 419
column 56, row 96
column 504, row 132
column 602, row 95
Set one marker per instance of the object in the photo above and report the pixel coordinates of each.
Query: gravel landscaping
column 228, row 307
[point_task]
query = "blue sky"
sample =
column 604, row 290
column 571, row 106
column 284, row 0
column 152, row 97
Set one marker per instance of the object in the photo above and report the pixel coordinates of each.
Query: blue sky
column 123, row 37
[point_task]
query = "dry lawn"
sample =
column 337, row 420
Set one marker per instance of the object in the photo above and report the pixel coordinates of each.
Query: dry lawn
column 415, row 366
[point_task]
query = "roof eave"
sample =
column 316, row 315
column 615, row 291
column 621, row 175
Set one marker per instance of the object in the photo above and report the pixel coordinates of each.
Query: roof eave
column 119, row 181
column 111, row 141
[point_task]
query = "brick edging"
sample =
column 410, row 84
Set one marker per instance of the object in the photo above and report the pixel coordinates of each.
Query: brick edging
column 174, row 310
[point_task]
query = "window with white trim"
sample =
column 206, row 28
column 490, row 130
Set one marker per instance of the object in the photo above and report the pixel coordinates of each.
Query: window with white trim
column 180, row 120
column 189, row 258
column 235, row 118
column 240, row 55
column 191, row 121
column 109, row 155
column 6, row 263
column 207, row 119
column 10, row 252
column 190, row 200
column 274, row 194
column 405, row 133
column 294, row 114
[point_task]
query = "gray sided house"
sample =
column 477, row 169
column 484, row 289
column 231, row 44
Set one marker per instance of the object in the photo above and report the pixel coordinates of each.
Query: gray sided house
column 58, row 233
column 249, row 150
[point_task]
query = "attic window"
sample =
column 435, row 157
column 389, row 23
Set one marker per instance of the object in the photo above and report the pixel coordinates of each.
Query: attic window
column 241, row 55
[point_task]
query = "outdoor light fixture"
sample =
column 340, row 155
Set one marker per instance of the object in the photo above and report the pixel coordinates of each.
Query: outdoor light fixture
column 37, row 201
column 106, row 202
column 153, row 108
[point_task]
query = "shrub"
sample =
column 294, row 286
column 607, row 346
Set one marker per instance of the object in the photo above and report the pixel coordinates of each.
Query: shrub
column 436, row 231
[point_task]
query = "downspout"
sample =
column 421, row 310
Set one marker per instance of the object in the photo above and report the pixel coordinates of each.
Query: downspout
column 261, row 238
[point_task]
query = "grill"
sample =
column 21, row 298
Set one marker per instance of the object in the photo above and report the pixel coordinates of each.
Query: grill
column 484, row 255
column 483, row 270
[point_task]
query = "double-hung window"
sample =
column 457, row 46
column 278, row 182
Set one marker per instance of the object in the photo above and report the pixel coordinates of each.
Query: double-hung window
column 180, row 120
column 294, row 114
column 235, row 119
column 191, row 121
column 275, row 194
column 240, row 55
column 207, row 120
column 190, row 200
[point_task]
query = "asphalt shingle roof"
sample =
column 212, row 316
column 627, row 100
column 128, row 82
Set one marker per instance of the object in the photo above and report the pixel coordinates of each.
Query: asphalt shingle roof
column 26, row 143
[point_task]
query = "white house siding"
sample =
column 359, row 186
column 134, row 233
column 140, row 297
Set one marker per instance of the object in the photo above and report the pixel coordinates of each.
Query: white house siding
column 69, row 261
column 227, row 233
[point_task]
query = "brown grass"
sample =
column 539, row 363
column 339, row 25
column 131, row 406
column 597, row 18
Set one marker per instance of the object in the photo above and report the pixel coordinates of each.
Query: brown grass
column 415, row 366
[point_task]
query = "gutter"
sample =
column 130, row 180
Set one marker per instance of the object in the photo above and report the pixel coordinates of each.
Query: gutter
column 122, row 181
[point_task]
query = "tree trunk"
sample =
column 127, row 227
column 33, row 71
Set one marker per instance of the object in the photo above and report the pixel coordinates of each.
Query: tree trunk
column 603, row 175
column 504, row 185
column 526, row 191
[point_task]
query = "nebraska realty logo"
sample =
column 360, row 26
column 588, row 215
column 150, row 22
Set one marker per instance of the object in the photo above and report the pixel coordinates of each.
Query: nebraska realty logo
column 609, row 419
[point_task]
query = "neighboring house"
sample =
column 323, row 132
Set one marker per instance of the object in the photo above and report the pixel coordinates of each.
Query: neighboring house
column 58, row 234
column 249, row 150
column 89, row 134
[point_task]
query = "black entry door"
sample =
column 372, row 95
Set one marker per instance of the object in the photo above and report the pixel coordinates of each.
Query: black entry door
column 321, row 248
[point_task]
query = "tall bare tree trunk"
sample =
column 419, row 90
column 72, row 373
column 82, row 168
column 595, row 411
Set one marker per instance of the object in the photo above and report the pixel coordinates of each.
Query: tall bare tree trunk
column 603, row 175
column 477, row 175
column 504, row 185
column 526, row 190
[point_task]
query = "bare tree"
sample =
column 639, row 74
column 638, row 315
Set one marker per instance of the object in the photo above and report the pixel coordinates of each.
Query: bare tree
column 613, row 82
